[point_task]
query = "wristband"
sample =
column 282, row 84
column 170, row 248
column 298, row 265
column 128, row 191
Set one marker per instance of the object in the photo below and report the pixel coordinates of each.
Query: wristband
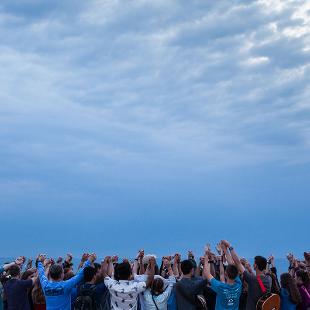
column 231, row 248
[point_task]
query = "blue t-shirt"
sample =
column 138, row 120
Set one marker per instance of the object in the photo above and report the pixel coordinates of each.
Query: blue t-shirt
column 58, row 294
column 227, row 295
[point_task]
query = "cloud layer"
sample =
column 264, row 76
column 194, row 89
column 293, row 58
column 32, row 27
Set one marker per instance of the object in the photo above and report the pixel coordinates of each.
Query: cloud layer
column 104, row 101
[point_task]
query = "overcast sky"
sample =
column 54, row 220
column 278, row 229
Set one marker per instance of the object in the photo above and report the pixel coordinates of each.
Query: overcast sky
column 160, row 124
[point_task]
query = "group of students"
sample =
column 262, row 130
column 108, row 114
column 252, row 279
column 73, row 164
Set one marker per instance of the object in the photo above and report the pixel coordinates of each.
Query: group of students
column 215, row 281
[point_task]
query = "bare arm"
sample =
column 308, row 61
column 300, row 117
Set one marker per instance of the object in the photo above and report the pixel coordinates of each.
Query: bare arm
column 206, row 269
column 222, row 271
column 234, row 256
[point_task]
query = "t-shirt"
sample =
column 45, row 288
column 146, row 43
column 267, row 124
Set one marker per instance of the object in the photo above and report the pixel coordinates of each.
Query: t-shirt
column 143, row 278
column 186, row 291
column 16, row 292
column 160, row 300
column 58, row 294
column 254, row 290
column 99, row 289
column 227, row 294
column 124, row 293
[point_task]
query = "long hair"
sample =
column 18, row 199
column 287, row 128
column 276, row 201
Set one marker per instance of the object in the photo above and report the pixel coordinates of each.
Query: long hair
column 157, row 286
column 289, row 283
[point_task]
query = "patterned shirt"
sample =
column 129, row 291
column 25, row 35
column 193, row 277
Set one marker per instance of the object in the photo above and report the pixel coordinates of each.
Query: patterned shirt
column 124, row 293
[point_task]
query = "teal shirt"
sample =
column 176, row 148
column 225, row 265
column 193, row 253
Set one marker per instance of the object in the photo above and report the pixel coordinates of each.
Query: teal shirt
column 227, row 296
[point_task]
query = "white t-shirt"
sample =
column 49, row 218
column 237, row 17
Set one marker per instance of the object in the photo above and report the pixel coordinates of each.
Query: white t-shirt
column 124, row 293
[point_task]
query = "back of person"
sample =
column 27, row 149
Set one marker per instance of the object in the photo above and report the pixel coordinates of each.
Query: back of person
column 16, row 292
column 186, row 292
column 86, row 298
column 286, row 302
column 228, row 295
column 254, row 290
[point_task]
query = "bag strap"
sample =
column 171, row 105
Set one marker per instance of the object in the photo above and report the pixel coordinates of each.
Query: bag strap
column 154, row 302
column 261, row 284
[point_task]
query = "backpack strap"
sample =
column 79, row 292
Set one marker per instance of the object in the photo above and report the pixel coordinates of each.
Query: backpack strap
column 261, row 284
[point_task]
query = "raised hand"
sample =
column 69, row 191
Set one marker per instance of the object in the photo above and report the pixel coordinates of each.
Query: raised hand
column 69, row 257
column 84, row 257
column 41, row 258
column 59, row 260
column 225, row 243
column 92, row 257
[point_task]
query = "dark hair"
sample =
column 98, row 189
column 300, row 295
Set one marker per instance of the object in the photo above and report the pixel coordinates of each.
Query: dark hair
column 186, row 266
column 14, row 270
column 261, row 262
column 97, row 266
column 289, row 283
column 122, row 271
column 55, row 271
column 89, row 273
column 232, row 272
column 304, row 276
column 157, row 286
column 26, row 274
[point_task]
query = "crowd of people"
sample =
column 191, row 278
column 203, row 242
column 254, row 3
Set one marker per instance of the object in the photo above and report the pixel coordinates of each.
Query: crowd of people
column 217, row 280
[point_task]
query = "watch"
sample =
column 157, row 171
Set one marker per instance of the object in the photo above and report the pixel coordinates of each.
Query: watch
column 231, row 248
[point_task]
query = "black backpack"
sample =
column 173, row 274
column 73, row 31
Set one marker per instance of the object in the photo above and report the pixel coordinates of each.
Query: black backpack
column 86, row 298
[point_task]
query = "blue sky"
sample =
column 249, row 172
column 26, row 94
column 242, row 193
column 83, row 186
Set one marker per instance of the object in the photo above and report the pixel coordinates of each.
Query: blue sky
column 157, row 124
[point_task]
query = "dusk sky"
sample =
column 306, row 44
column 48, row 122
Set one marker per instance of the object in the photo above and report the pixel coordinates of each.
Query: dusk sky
column 155, row 124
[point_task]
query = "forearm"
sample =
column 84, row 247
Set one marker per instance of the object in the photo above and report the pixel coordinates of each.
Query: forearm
column 141, row 267
column 222, row 272
column 228, row 257
column 236, row 260
column 206, row 269
column 7, row 266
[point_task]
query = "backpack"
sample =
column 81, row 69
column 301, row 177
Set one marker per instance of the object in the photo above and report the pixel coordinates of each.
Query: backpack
column 86, row 298
column 268, row 301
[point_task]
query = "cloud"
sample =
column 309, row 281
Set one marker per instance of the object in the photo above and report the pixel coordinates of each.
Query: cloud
column 115, row 93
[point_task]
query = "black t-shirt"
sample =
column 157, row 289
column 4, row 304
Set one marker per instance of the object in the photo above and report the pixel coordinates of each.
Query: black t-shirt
column 16, row 292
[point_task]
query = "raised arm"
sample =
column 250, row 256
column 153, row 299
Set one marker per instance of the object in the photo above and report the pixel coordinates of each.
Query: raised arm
column 227, row 254
column 234, row 256
column 150, row 272
column 222, row 271
column 206, row 268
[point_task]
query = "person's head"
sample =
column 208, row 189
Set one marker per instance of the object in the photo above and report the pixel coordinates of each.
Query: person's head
column 27, row 274
column 302, row 278
column 14, row 271
column 187, row 267
column 157, row 287
column 260, row 263
column 231, row 272
column 123, row 271
column 289, row 283
column 89, row 273
column 56, row 272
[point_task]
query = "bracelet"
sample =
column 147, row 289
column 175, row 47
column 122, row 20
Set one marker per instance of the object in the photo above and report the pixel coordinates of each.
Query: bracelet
column 231, row 248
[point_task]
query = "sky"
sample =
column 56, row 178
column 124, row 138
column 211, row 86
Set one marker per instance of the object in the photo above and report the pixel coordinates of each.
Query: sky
column 155, row 124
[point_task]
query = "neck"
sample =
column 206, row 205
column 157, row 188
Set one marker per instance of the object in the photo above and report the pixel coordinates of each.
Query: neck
column 258, row 272
column 229, row 281
column 187, row 276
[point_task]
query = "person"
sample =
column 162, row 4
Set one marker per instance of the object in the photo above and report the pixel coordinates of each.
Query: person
column 290, row 296
column 157, row 295
column 57, row 292
column 187, row 289
column 228, row 289
column 38, row 296
column 124, row 291
column 256, row 282
column 90, row 293
column 16, row 290
column 303, row 283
